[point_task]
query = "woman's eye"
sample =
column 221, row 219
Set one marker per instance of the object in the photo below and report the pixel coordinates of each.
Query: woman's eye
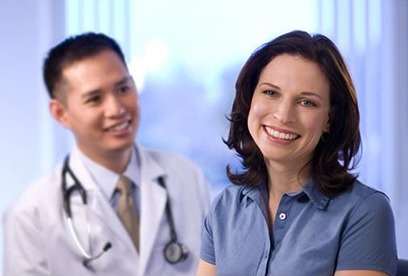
column 307, row 103
column 271, row 93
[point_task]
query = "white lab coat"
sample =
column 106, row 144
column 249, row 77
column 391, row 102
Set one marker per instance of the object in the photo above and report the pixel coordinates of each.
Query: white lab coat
column 38, row 241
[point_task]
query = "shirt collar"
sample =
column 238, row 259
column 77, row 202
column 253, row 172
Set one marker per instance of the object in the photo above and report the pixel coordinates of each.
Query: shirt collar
column 106, row 179
column 259, row 193
column 319, row 199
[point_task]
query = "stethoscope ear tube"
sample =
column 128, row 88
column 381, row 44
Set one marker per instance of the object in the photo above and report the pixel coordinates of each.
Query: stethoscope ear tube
column 65, row 194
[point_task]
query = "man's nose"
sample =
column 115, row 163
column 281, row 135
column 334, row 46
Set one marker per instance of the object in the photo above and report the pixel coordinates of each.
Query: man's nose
column 114, row 106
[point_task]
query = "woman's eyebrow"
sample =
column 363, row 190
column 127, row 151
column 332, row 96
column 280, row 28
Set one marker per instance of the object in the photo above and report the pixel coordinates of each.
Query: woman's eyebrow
column 270, row 84
column 307, row 93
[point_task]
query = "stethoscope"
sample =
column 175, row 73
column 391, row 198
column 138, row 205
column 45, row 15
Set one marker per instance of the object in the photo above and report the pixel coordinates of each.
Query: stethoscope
column 174, row 252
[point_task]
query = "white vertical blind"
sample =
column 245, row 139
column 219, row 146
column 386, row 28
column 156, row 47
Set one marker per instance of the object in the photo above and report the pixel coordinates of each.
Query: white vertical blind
column 29, row 142
column 373, row 37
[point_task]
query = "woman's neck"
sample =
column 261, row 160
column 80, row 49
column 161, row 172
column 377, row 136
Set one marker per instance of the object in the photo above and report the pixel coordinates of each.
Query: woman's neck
column 286, row 178
column 283, row 179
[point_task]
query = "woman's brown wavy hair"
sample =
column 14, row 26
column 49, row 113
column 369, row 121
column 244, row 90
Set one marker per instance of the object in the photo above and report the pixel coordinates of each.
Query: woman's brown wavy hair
column 335, row 154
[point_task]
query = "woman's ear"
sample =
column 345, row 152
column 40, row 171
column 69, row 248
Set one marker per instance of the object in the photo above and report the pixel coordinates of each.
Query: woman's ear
column 327, row 127
column 59, row 112
column 329, row 119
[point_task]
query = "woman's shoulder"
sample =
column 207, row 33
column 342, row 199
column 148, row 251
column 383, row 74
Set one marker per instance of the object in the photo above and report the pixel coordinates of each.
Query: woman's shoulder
column 360, row 192
column 366, row 199
column 229, row 198
column 229, row 194
column 368, row 233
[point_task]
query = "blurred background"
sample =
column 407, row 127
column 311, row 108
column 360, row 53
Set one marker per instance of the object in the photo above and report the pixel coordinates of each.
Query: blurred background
column 185, row 57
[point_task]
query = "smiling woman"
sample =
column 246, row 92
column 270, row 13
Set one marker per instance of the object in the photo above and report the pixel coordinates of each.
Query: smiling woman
column 297, row 206
column 289, row 110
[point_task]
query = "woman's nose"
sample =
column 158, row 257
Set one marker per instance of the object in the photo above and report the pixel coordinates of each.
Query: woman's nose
column 284, row 112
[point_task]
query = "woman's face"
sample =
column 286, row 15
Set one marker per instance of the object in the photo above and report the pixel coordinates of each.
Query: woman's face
column 289, row 110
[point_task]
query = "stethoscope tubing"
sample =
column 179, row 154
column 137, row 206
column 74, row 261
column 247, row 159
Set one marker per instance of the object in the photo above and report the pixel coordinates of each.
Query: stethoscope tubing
column 66, row 194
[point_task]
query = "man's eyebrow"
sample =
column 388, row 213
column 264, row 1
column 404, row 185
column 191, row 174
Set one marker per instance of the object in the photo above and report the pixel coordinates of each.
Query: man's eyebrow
column 91, row 93
column 97, row 91
column 124, row 81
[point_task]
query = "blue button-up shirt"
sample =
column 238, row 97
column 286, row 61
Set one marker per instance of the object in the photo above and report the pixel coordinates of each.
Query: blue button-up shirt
column 312, row 235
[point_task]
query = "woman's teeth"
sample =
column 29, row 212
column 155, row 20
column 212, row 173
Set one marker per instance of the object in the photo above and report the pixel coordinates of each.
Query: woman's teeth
column 281, row 135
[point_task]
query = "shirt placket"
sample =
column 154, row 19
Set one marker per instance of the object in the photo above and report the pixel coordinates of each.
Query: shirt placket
column 280, row 226
column 279, row 229
column 263, row 264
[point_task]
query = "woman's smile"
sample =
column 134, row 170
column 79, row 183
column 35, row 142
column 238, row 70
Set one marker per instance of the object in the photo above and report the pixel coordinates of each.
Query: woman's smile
column 289, row 110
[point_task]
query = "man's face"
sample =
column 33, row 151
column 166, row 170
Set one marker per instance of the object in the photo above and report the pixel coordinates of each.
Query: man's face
column 101, row 105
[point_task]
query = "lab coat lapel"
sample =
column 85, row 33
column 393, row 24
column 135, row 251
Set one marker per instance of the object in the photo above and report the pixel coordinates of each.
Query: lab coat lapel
column 153, row 199
column 99, row 205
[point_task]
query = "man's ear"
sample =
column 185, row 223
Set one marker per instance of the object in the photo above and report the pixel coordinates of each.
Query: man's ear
column 59, row 112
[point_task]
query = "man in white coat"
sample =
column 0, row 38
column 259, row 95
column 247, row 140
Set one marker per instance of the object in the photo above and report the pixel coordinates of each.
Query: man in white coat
column 69, row 222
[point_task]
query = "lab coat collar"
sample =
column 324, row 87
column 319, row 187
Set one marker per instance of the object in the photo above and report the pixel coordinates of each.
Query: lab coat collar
column 153, row 200
column 80, row 171
column 104, row 178
column 149, row 167
column 107, row 179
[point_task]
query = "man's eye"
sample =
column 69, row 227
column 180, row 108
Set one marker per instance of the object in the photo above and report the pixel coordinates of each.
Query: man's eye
column 93, row 99
column 124, row 89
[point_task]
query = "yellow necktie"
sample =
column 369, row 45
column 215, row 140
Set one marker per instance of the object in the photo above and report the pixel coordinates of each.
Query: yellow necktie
column 127, row 210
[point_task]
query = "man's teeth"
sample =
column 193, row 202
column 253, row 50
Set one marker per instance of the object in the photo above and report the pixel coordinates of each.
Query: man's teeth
column 281, row 135
column 120, row 127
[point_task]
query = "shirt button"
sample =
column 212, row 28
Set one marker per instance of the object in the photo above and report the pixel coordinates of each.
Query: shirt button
column 282, row 216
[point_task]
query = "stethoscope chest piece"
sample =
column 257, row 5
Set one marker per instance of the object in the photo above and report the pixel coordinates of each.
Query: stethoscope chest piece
column 175, row 252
